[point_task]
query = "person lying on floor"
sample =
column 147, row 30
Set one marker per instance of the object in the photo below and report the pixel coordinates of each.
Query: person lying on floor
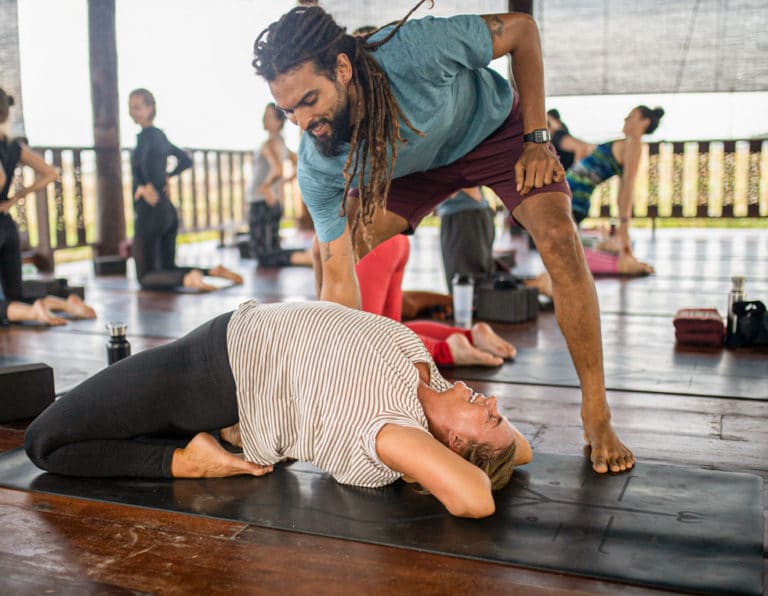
column 380, row 276
column 353, row 393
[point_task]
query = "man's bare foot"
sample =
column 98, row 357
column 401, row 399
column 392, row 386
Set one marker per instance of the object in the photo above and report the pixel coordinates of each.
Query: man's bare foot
column 222, row 271
column 465, row 354
column 542, row 282
column 194, row 280
column 486, row 339
column 608, row 452
column 629, row 265
column 204, row 457
column 43, row 315
column 231, row 435
column 77, row 308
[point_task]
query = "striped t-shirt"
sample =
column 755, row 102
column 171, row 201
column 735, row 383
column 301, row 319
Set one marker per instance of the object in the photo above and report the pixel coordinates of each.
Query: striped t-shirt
column 317, row 381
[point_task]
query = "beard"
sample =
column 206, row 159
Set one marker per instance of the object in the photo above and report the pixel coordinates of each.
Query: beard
column 341, row 132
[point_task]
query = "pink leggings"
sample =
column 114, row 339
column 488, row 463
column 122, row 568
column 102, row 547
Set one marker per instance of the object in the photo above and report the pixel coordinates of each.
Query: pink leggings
column 380, row 275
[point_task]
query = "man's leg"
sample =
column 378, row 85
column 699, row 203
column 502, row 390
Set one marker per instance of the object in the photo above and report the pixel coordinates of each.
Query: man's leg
column 547, row 217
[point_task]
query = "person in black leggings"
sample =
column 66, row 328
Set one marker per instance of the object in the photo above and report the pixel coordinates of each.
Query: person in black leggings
column 13, row 305
column 187, row 384
column 156, row 221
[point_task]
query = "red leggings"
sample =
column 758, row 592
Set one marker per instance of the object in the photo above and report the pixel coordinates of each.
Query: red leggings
column 380, row 275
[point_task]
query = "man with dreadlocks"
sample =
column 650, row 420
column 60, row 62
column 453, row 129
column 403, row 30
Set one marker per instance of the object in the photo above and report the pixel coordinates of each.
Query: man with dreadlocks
column 410, row 114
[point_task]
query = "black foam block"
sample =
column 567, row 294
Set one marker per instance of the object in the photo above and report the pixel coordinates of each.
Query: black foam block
column 507, row 305
column 663, row 526
column 25, row 390
column 109, row 265
column 39, row 288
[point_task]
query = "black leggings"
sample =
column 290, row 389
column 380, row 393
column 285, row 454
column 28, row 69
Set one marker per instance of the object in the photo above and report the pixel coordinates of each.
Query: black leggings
column 128, row 419
column 264, row 228
column 10, row 264
column 154, row 246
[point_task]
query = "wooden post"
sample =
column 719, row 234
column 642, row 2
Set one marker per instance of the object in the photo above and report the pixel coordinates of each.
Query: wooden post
column 106, row 136
column 525, row 6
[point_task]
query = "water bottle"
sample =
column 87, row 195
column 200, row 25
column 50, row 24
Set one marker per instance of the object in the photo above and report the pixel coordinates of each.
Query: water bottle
column 735, row 295
column 463, row 296
column 118, row 346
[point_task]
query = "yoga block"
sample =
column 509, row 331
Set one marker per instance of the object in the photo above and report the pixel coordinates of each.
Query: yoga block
column 25, row 390
column 109, row 265
column 32, row 289
column 507, row 305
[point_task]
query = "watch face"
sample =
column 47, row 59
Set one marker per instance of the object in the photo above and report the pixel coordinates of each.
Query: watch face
column 540, row 135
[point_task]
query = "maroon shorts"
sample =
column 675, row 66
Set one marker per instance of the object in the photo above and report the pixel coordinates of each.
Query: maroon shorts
column 491, row 163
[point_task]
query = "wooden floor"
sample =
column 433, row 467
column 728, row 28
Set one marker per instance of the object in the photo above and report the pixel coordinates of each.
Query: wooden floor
column 51, row 544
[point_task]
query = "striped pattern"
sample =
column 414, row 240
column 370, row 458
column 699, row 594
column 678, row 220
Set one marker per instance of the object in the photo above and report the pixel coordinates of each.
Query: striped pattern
column 316, row 381
column 585, row 175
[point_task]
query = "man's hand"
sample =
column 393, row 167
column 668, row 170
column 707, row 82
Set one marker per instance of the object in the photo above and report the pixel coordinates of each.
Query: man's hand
column 538, row 166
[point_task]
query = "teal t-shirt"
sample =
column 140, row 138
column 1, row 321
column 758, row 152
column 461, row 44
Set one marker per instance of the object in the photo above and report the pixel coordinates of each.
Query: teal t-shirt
column 438, row 72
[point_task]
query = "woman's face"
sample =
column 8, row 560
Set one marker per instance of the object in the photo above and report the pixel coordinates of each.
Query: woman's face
column 634, row 124
column 272, row 123
column 141, row 113
column 476, row 418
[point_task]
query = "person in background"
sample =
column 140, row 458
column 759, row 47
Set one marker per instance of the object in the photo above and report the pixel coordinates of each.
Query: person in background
column 265, row 197
column 156, row 221
column 14, row 307
column 569, row 148
column 380, row 274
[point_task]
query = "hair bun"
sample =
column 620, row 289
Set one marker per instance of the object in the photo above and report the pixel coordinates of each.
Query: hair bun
column 658, row 112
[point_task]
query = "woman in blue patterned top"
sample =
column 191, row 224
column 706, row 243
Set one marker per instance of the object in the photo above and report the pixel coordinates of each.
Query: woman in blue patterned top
column 615, row 158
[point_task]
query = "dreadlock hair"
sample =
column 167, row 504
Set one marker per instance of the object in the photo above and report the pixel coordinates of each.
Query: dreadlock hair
column 308, row 33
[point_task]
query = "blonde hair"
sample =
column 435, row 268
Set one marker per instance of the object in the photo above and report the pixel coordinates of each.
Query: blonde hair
column 498, row 465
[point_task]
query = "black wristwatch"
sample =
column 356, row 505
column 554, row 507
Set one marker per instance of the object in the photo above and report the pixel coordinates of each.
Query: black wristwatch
column 540, row 135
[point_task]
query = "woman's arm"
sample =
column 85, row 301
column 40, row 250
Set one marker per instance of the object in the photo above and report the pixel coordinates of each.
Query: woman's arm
column 463, row 488
column 183, row 160
column 2, row 176
column 630, row 157
column 275, row 172
column 45, row 173
column 579, row 148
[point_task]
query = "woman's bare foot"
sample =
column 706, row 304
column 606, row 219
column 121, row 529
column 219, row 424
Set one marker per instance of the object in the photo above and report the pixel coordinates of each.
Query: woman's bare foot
column 194, row 280
column 486, row 339
column 77, row 308
column 629, row 265
column 612, row 244
column 542, row 282
column 204, row 457
column 465, row 354
column 231, row 435
column 42, row 314
column 222, row 271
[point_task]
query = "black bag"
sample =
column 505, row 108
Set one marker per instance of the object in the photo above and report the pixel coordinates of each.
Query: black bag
column 752, row 324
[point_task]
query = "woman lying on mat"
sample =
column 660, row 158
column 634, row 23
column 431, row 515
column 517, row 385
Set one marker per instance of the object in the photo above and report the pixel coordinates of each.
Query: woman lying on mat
column 353, row 393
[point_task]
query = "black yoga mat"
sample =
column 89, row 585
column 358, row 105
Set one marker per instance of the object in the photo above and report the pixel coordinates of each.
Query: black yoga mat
column 662, row 526
column 684, row 373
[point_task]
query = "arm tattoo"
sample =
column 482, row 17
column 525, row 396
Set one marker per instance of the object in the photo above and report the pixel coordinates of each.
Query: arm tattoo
column 494, row 23
column 325, row 251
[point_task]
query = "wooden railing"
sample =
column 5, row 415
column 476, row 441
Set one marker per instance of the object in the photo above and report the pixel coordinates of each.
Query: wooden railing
column 700, row 179
column 696, row 179
column 210, row 196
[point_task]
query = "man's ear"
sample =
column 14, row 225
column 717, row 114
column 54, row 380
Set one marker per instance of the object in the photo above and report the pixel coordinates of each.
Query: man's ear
column 343, row 69
column 455, row 442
